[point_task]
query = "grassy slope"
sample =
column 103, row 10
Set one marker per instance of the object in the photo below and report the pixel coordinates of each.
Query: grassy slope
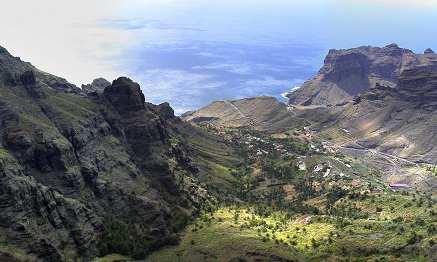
column 214, row 158
column 402, row 229
column 220, row 236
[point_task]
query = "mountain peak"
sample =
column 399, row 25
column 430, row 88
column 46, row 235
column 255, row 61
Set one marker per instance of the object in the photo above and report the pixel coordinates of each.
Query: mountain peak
column 391, row 46
column 3, row 50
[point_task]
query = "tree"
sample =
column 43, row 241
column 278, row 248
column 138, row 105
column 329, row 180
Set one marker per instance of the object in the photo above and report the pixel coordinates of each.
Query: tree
column 314, row 244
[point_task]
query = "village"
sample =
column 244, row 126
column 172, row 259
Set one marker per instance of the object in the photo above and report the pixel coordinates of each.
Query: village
column 308, row 157
column 298, row 172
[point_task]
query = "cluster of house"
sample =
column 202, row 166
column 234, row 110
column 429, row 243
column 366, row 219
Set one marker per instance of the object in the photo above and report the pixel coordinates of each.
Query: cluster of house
column 317, row 168
column 355, row 181
column 250, row 140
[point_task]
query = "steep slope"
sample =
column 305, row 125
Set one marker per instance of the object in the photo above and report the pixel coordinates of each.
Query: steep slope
column 262, row 113
column 69, row 162
column 397, row 120
column 349, row 72
column 12, row 73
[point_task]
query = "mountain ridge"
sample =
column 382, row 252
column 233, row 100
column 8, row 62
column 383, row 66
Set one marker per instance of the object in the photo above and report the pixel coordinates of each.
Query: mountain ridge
column 349, row 72
column 71, row 162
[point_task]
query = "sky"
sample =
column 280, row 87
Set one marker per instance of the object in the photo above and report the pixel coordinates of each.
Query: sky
column 192, row 52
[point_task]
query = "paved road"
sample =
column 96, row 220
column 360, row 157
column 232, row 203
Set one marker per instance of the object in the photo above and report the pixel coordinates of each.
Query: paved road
column 389, row 157
column 236, row 109
column 363, row 148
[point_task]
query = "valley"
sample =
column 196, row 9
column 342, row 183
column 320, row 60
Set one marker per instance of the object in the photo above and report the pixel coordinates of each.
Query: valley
column 99, row 174
column 354, row 159
column 305, row 200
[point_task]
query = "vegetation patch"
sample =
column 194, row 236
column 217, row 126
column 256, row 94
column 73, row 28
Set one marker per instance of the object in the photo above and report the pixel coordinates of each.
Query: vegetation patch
column 336, row 208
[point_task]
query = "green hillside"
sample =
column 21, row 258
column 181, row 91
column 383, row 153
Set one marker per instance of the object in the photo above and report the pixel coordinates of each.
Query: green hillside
column 345, row 214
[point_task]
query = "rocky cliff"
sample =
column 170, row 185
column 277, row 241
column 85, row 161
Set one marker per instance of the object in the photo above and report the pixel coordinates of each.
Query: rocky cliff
column 68, row 161
column 398, row 120
column 349, row 72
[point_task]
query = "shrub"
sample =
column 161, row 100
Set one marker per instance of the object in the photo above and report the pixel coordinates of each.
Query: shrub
column 127, row 239
column 177, row 222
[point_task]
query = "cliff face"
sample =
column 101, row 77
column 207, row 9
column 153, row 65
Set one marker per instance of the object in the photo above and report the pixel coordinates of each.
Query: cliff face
column 399, row 120
column 346, row 73
column 68, row 159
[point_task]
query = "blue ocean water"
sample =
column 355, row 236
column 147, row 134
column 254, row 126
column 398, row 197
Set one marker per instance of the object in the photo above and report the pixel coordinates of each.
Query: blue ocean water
column 193, row 75
column 191, row 52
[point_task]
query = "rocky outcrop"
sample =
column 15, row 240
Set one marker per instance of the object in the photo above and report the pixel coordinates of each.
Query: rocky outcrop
column 418, row 87
column 350, row 72
column 98, row 85
column 165, row 111
column 125, row 95
column 40, row 220
column 57, row 83
column 13, row 72
column 429, row 51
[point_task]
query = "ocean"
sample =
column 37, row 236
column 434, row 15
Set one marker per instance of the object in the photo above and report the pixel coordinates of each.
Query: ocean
column 190, row 53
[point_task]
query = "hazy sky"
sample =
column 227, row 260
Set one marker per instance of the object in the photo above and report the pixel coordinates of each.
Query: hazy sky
column 191, row 52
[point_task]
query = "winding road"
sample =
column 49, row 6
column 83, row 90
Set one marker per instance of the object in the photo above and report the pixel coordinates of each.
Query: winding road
column 389, row 157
